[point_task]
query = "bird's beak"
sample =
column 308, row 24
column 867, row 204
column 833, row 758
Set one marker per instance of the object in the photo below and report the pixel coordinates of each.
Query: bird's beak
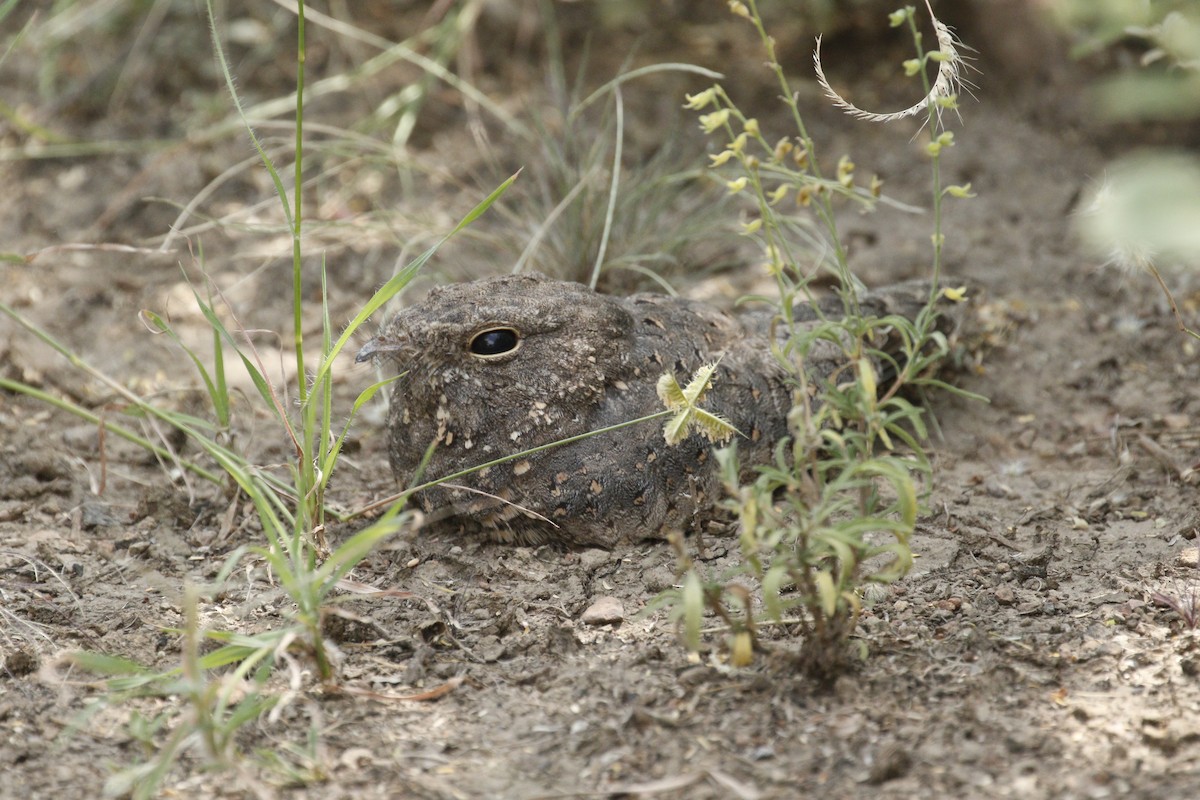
column 368, row 351
column 382, row 345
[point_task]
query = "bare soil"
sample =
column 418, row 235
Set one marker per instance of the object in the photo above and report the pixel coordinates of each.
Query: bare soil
column 1024, row 656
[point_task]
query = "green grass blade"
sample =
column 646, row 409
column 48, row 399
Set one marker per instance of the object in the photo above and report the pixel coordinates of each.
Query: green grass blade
column 111, row 427
column 220, row 404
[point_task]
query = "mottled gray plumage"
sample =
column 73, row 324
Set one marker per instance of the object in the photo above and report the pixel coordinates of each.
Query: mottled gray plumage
column 556, row 360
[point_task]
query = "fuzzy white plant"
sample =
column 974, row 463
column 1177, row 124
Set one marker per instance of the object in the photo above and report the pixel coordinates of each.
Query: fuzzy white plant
column 1145, row 211
column 942, row 94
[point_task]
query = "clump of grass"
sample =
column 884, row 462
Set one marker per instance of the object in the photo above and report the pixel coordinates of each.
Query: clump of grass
column 225, row 679
column 596, row 212
column 1184, row 601
column 835, row 510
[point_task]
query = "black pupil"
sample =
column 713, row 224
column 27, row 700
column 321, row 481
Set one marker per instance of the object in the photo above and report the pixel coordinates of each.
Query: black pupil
column 494, row 342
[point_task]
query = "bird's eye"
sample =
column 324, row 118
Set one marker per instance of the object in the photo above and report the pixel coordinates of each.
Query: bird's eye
column 495, row 342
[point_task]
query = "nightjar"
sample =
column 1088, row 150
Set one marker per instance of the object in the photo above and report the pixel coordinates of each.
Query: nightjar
column 497, row 366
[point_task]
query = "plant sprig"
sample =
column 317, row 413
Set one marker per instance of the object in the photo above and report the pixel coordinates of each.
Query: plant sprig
column 836, row 509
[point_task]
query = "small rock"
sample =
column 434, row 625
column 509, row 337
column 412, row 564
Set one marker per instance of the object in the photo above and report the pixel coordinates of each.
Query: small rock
column 1004, row 595
column 656, row 579
column 605, row 610
column 592, row 559
column 948, row 605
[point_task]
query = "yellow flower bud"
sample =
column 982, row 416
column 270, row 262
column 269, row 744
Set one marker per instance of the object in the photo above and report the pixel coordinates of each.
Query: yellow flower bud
column 704, row 99
column 866, row 377
column 782, row 148
column 739, row 9
column 741, row 654
column 752, row 127
column 845, row 171
column 777, row 195
column 736, row 186
column 720, row 158
column 751, row 227
column 715, row 120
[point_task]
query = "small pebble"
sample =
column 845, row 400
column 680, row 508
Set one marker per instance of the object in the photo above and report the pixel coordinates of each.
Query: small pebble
column 605, row 610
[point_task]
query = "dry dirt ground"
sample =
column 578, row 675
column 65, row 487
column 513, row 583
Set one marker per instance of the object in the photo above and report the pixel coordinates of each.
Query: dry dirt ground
column 1024, row 656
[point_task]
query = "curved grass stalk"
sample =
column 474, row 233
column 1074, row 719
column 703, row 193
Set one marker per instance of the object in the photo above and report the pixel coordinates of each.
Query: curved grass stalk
column 943, row 91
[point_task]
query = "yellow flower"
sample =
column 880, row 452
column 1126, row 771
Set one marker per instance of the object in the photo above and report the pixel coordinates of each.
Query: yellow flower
column 736, row 186
column 717, row 119
column 704, row 99
column 752, row 127
column 845, row 171
column 782, row 148
column 777, row 195
column 720, row 158
column 955, row 295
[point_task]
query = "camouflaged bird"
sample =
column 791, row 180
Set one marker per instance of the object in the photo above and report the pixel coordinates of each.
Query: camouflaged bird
column 497, row 366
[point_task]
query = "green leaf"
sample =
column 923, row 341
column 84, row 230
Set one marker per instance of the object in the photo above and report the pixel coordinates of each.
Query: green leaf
column 355, row 549
column 827, row 594
column 216, row 392
column 260, row 382
column 106, row 665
